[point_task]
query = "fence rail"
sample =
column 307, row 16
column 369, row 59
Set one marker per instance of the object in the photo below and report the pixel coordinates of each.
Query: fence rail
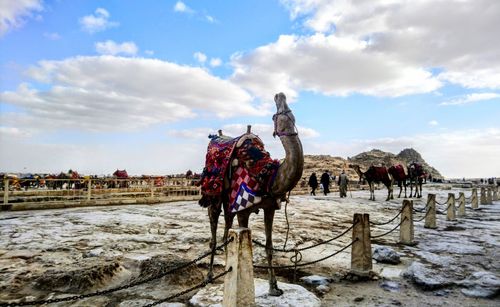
column 23, row 194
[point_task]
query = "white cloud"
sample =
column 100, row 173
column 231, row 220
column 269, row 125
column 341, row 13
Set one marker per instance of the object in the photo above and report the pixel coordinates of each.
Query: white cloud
column 13, row 132
column 149, row 52
column 200, row 57
column 265, row 131
column 457, row 154
column 52, row 36
column 109, row 47
column 421, row 34
column 210, row 19
column 107, row 93
column 433, row 123
column 471, row 98
column 215, row 62
column 13, row 14
column 99, row 21
column 181, row 7
column 330, row 65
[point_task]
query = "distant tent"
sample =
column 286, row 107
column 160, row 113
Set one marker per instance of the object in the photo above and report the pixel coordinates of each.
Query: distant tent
column 120, row 174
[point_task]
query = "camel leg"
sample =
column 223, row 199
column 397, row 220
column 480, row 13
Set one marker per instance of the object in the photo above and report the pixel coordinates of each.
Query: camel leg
column 243, row 217
column 372, row 191
column 268, row 222
column 228, row 218
column 213, row 213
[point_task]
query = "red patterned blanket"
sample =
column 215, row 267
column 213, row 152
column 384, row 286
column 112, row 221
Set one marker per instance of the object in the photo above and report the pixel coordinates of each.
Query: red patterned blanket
column 253, row 171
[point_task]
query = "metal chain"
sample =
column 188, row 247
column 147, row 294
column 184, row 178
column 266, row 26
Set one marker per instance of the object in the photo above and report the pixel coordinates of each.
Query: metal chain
column 286, row 217
column 295, row 265
column 384, row 234
column 426, row 214
column 103, row 292
column 380, row 224
column 198, row 286
column 308, row 247
column 419, row 210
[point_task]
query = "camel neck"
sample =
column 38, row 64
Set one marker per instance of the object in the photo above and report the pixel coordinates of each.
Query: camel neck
column 290, row 170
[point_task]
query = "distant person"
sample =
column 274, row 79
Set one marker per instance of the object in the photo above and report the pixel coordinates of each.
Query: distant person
column 313, row 183
column 343, row 182
column 325, row 181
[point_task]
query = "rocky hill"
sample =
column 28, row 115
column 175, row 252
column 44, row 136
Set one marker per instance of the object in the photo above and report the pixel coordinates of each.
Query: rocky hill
column 320, row 163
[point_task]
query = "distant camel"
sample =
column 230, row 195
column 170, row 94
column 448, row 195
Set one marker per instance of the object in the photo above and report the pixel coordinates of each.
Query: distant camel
column 398, row 174
column 416, row 174
column 375, row 174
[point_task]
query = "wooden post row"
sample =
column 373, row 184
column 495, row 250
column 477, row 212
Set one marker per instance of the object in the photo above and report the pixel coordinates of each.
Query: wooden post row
column 361, row 249
column 461, row 205
column 474, row 201
column 450, row 206
column 406, row 233
column 239, row 288
column 430, row 209
column 483, row 196
column 489, row 196
column 6, row 191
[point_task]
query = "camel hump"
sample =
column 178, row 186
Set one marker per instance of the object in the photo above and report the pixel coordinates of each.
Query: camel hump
column 248, row 136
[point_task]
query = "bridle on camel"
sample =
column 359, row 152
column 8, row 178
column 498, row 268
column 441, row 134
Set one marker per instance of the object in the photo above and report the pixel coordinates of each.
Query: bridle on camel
column 275, row 120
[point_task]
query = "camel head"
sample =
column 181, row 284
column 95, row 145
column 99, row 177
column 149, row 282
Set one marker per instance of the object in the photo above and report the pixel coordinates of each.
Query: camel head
column 284, row 121
column 354, row 166
column 358, row 170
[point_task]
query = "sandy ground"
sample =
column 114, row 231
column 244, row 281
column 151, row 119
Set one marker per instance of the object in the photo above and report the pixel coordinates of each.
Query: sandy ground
column 44, row 254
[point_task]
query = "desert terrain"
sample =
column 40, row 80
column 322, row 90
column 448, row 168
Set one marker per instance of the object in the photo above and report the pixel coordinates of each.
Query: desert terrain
column 56, row 253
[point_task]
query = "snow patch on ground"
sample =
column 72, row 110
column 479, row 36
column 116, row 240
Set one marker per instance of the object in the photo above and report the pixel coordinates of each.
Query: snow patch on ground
column 293, row 295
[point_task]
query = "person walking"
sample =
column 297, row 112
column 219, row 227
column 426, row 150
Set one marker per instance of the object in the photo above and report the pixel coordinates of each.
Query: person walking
column 313, row 183
column 343, row 182
column 325, row 181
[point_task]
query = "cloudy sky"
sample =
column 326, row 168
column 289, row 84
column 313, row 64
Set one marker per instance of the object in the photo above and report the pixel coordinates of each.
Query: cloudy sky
column 100, row 85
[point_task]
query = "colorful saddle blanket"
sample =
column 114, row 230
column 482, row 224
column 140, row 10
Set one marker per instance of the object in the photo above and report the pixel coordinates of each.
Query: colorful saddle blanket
column 254, row 170
column 398, row 171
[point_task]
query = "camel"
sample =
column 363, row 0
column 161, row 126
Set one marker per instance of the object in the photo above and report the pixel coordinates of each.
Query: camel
column 286, row 177
column 375, row 174
column 416, row 174
column 398, row 174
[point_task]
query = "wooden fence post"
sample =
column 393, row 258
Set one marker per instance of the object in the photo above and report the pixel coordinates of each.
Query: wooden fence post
column 475, row 204
column 495, row 193
column 483, row 196
column 461, row 204
column 489, row 196
column 361, row 250
column 451, row 210
column 239, row 288
column 430, row 211
column 152, row 186
column 89, row 189
column 6, row 191
column 406, row 233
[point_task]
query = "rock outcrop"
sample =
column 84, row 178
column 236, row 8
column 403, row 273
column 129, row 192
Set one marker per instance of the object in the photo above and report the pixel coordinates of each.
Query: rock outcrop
column 320, row 163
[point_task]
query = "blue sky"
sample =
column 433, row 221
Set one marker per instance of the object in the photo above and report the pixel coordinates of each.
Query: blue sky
column 101, row 85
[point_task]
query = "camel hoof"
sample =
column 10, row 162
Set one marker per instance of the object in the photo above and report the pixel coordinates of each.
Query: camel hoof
column 210, row 277
column 275, row 291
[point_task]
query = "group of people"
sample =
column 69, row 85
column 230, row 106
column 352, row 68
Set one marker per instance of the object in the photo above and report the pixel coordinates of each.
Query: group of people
column 343, row 182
